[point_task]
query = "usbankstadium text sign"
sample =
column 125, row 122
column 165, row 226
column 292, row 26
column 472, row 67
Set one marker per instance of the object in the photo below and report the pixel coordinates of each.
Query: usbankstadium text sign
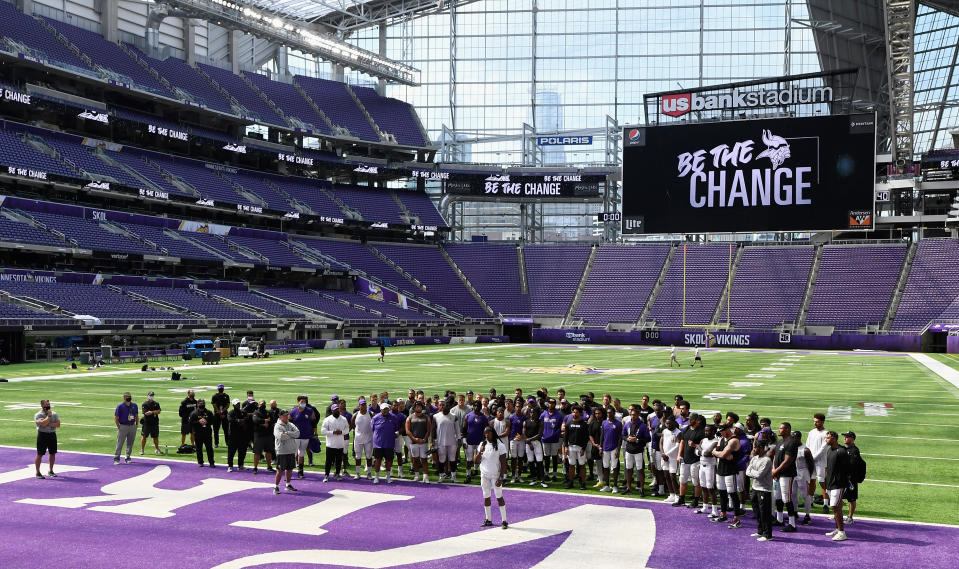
column 679, row 104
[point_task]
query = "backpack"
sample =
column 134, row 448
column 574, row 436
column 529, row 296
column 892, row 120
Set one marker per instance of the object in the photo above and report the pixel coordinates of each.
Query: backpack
column 858, row 469
column 186, row 449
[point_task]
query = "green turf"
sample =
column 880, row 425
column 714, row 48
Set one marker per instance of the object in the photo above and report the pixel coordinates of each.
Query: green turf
column 921, row 424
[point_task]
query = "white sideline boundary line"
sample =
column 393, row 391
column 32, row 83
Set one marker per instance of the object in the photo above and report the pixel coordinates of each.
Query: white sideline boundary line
column 935, row 366
column 263, row 362
column 578, row 493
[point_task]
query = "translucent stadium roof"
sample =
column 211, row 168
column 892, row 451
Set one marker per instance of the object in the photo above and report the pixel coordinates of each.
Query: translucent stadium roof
column 307, row 10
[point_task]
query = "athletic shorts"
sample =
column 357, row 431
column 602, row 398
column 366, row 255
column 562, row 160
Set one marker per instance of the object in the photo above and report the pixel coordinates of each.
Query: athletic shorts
column 634, row 461
column 488, row 484
column 150, row 430
column 835, row 497
column 285, row 462
column 670, row 464
column 551, row 449
column 657, row 459
column 46, row 442
column 741, row 481
column 611, row 459
column 263, row 443
column 363, row 450
column 398, row 444
column 689, row 473
column 576, row 455
column 446, row 453
column 851, row 494
column 517, row 449
column 383, row 453
column 707, row 475
column 593, row 452
column 417, row 450
column 786, row 489
column 727, row 483
column 185, row 428
column 302, row 445
column 534, row 450
column 821, row 470
column 471, row 452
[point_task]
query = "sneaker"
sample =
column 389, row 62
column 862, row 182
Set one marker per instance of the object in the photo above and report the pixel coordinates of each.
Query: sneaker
column 847, row 520
column 840, row 536
column 544, row 485
column 300, row 475
column 116, row 461
column 599, row 483
column 568, row 484
column 290, row 488
column 127, row 460
column 754, row 535
column 141, row 453
column 605, row 489
column 764, row 538
column 229, row 469
column 718, row 519
column 670, row 499
column 832, row 533
column 777, row 523
column 627, row 491
column 699, row 511
column 825, row 509
column 806, row 521
column 339, row 478
column 52, row 474
column 256, row 470
column 487, row 524
column 158, row 452
column 679, row 503
column 276, row 489
column 271, row 470
column 505, row 524
column 39, row 476
column 326, row 479
column 615, row 490
column 532, row 483
column 582, row 485
column 376, row 480
column 212, row 465
column 552, row 478
column 426, row 480
column 788, row 529
column 201, row 465
column 735, row 525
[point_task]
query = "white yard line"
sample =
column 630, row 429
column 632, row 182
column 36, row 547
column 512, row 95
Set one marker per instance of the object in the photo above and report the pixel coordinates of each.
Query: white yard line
column 914, row 483
column 909, row 457
column 266, row 362
column 937, row 367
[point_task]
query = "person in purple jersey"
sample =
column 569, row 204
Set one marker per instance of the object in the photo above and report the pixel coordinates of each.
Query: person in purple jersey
column 473, row 428
column 384, row 441
column 398, row 446
column 552, row 420
column 126, row 417
column 655, row 459
column 612, row 435
column 742, row 461
column 517, row 444
column 682, row 420
column 303, row 416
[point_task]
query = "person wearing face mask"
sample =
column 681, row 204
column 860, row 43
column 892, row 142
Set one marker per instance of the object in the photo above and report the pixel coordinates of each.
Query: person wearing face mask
column 126, row 418
column 201, row 421
column 334, row 428
column 239, row 435
column 303, row 416
column 221, row 405
column 151, row 424
column 264, row 419
column 187, row 407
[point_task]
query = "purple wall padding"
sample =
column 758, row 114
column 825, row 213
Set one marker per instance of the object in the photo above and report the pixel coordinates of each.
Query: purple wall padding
column 952, row 345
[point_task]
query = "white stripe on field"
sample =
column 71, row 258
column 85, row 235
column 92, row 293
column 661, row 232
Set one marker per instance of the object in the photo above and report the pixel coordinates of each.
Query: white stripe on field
column 914, row 483
column 911, row 457
column 942, row 370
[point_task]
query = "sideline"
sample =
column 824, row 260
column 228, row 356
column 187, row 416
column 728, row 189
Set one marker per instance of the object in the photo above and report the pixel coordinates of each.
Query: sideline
column 264, row 362
column 937, row 367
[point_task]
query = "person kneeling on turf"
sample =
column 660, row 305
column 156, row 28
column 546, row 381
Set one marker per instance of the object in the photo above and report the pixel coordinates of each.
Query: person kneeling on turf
column 491, row 458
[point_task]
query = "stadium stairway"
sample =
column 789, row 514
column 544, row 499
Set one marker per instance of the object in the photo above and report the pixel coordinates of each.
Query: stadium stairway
column 466, row 282
column 295, row 306
column 581, row 287
column 279, row 112
column 718, row 317
column 314, row 106
column 297, row 204
column 396, row 267
column 900, row 288
column 348, row 212
column 157, row 304
column 405, row 213
column 248, row 194
column 105, row 157
column 521, row 260
column 376, row 128
column 810, row 287
column 641, row 322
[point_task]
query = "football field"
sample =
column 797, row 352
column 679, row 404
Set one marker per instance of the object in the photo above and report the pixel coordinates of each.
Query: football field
column 904, row 414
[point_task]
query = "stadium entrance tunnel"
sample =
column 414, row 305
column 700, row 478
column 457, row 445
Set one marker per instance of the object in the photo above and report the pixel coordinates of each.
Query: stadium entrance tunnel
column 12, row 345
column 518, row 333
column 934, row 342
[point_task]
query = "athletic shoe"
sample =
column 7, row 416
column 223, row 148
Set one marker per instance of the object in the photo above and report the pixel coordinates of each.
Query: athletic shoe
column 376, row 480
column 158, row 452
column 832, row 533
column 718, row 519
column 568, row 484
column 212, row 465
column 840, row 536
column 764, row 538
column 740, row 512
column 700, row 511
column 310, row 463
column 52, row 474
column 290, row 488
column 326, row 479
column 39, row 476
column 847, row 520
column 505, row 525
column 256, row 470
column 754, row 535
column 532, row 483
column 670, row 499
column 339, row 478
column 605, row 489
column 127, row 460
column 552, row 478
column 777, row 523
column 679, row 503
column 229, row 469
column 487, row 524
column 825, row 509
column 615, row 490
column 735, row 525
column 116, row 461
column 598, row 484
column 300, row 475
column 806, row 521
column 788, row 529
column 642, row 491
column 544, row 485
column 141, row 453
column 426, row 480
column 582, row 485
column 276, row 489
column 627, row 491
column 271, row 470
column 201, row 465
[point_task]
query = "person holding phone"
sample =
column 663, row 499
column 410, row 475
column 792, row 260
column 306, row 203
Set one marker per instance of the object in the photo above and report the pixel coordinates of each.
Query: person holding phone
column 491, row 458
column 47, row 424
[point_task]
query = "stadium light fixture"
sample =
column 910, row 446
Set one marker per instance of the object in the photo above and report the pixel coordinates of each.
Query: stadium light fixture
column 271, row 27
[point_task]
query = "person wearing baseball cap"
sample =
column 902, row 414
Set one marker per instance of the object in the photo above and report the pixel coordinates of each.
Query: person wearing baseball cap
column 855, row 459
column 286, row 436
column 334, row 403
column 384, row 440
column 362, row 425
column 239, row 422
column 151, row 424
column 221, row 404
column 201, row 421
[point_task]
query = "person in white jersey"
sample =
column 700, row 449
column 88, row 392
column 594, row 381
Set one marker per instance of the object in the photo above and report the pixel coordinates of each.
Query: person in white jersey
column 491, row 458
column 805, row 483
column 696, row 358
column 816, row 443
column 672, row 356
column 363, row 440
column 446, row 439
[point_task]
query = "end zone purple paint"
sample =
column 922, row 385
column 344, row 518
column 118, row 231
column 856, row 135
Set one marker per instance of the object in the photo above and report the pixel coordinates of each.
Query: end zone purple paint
column 121, row 517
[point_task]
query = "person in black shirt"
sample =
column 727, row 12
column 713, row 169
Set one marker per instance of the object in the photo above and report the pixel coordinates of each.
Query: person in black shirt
column 239, row 435
column 837, row 481
column 636, row 435
column 187, row 406
column 726, row 470
column 596, row 443
column 645, row 409
column 151, row 424
column 689, row 468
column 784, row 470
column 533, row 433
column 264, row 418
column 575, row 439
column 201, row 422
column 852, row 493
column 221, row 404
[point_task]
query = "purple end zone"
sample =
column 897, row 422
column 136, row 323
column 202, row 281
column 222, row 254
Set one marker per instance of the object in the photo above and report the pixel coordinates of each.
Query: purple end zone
column 125, row 520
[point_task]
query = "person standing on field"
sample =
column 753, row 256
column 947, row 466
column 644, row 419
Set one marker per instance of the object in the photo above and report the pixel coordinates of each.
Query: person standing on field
column 151, row 424
column 286, row 436
column 47, row 424
column 126, row 417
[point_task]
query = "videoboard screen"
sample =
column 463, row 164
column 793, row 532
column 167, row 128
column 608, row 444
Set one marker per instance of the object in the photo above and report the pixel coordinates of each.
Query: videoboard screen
column 506, row 187
column 792, row 174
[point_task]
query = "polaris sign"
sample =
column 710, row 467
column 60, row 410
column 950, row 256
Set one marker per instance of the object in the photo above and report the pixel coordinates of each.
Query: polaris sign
column 677, row 105
column 563, row 140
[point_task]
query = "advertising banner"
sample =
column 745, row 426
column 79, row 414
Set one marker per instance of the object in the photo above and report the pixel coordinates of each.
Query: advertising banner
column 505, row 187
column 793, row 174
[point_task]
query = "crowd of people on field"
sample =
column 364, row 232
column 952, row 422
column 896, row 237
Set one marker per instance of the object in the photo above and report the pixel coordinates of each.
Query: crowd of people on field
column 710, row 464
